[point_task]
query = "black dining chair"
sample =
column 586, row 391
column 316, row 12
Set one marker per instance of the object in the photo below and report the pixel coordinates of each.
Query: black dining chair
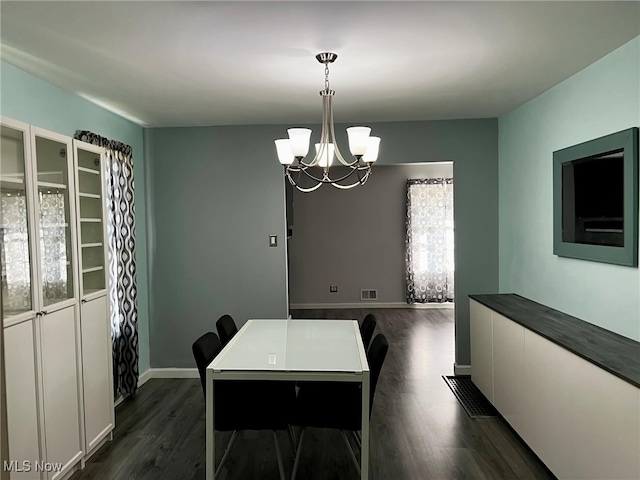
column 244, row 405
column 204, row 351
column 226, row 328
column 366, row 329
column 337, row 405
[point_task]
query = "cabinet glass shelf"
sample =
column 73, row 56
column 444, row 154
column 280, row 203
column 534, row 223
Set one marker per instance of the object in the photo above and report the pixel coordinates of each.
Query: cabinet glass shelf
column 88, row 170
column 60, row 186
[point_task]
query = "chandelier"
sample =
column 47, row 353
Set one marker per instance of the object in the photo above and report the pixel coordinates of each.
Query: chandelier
column 292, row 151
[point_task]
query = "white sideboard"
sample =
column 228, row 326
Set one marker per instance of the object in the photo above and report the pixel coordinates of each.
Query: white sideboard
column 577, row 407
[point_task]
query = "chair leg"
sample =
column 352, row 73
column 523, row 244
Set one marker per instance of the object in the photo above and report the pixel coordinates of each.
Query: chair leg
column 280, row 466
column 356, row 439
column 292, row 439
column 234, row 435
column 353, row 455
column 298, row 450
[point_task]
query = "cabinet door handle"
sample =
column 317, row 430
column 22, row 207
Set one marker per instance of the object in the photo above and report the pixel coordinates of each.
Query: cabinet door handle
column 84, row 300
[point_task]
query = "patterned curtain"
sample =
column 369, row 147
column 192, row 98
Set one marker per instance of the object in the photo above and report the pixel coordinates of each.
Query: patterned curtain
column 429, row 240
column 122, row 261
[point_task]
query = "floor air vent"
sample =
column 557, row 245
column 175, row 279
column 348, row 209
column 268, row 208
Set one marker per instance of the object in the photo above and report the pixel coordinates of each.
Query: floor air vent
column 471, row 399
column 368, row 294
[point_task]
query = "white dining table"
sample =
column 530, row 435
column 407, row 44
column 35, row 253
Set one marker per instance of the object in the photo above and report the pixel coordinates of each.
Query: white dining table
column 306, row 350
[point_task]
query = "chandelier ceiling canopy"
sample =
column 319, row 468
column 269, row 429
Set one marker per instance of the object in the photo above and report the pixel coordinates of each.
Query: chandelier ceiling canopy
column 308, row 176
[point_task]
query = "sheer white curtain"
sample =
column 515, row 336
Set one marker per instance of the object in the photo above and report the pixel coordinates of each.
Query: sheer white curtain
column 429, row 240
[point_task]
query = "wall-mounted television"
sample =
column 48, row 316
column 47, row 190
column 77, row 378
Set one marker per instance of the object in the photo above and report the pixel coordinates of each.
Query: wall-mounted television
column 595, row 206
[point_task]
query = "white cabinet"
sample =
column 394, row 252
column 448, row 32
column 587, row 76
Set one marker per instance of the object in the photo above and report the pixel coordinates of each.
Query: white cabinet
column 20, row 297
column 22, row 403
column 508, row 369
column 481, row 348
column 581, row 421
column 57, row 296
column 61, row 395
column 605, row 423
column 55, row 299
column 547, row 402
column 97, row 377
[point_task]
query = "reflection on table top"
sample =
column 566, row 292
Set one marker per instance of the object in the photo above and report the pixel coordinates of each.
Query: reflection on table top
column 293, row 345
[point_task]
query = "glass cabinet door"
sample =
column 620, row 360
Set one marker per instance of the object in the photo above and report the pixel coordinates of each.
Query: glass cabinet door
column 90, row 186
column 56, row 221
column 15, row 248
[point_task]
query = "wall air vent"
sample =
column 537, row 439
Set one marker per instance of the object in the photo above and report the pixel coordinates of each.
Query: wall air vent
column 368, row 294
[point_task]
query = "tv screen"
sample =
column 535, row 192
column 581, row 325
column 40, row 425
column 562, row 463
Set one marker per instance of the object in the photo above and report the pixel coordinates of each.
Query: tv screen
column 593, row 200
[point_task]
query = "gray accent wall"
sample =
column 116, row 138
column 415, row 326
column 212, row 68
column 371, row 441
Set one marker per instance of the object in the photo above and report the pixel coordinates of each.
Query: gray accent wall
column 358, row 235
column 601, row 99
column 218, row 193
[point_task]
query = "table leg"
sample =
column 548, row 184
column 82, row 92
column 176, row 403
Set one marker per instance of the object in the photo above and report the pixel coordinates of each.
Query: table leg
column 210, row 452
column 364, row 450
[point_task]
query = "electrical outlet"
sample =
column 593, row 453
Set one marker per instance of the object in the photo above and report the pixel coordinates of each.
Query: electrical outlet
column 333, row 288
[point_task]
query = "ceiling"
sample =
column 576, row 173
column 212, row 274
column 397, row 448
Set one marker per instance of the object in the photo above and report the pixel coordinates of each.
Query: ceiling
column 228, row 63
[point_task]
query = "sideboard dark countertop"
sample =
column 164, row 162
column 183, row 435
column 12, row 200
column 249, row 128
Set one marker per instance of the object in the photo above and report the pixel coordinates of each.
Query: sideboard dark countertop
column 614, row 353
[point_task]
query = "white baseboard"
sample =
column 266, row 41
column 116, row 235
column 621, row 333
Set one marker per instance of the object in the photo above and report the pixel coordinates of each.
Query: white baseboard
column 461, row 369
column 370, row 305
column 146, row 375
column 174, row 373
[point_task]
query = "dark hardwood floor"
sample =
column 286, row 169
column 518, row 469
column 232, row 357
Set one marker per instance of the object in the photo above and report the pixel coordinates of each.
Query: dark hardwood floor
column 418, row 429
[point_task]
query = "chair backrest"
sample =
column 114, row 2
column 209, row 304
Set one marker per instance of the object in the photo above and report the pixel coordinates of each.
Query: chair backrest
column 226, row 328
column 204, row 351
column 377, row 354
column 367, row 328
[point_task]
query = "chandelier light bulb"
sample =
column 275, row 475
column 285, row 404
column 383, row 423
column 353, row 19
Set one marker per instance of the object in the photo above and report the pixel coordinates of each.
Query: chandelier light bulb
column 285, row 155
column 358, row 140
column 299, row 141
column 325, row 157
column 371, row 155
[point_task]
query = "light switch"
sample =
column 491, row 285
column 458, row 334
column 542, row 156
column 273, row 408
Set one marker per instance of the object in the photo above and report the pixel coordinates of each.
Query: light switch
column 273, row 240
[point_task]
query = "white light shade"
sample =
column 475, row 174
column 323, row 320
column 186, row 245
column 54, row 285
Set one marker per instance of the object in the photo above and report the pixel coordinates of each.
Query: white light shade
column 326, row 159
column 371, row 155
column 358, row 140
column 299, row 138
column 285, row 155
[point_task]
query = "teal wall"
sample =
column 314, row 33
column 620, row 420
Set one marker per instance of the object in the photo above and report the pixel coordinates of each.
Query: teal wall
column 31, row 100
column 601, row 99
column 217, row 193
